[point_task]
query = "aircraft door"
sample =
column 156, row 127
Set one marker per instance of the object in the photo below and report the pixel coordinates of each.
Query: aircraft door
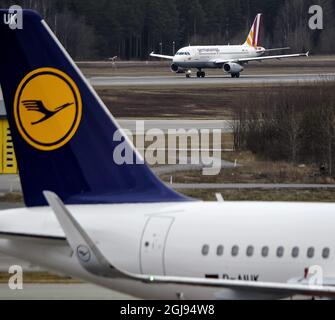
column 153, row 245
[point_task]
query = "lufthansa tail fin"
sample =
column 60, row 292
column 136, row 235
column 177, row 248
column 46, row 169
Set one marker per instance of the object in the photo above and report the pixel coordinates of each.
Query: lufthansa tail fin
column 253, row 39
column 65, row 139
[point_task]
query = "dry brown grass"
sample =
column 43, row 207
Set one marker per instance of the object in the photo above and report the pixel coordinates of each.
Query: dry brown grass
column 264, row 195
column 172, row 103
column 205, row 102
column 39, row 278
column 14, row 197
column 252, row 170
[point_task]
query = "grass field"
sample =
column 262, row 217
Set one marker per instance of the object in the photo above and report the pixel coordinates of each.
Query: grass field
column 205, row 103
column 264, row 195
column 39, row 278
column 253, row 170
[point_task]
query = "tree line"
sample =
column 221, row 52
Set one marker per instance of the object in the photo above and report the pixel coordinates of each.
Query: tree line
column 291, row 124
column 131, row 29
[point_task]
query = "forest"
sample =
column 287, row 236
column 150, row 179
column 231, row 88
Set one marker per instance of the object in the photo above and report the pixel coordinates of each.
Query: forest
column 131, row 29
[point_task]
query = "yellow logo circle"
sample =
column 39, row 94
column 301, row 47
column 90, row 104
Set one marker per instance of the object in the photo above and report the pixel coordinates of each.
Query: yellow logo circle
column 47, row 108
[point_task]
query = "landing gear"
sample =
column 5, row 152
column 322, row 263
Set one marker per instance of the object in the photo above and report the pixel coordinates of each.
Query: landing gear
column 235, row 75
column 188, row 74
column 201, row 74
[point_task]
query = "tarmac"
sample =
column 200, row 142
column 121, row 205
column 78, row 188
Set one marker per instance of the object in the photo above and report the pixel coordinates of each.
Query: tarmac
column 211, row 80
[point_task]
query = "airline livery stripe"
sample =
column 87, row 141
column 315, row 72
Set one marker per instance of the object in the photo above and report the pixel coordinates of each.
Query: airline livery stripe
column 258, row 27
column 254, row 33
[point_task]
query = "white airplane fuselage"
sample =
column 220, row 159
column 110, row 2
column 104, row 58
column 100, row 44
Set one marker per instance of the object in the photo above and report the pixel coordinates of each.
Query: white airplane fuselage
column 205, row 57
column 189, row 239
column 231, row 59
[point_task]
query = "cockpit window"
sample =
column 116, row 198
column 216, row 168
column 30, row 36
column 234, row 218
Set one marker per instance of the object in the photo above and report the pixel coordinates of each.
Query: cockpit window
column 181, row 53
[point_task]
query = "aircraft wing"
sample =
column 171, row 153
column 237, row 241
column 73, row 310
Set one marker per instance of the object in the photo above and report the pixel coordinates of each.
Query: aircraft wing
column 161, row 56
column 278, row 57
column 280, row 289
column 81, row 243
column 277, row 49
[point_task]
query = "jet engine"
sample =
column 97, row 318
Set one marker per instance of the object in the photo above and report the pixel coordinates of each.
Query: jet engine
column 176, row 69
column 233, row 68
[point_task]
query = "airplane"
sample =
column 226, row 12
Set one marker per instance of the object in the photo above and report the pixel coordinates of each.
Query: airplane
column 115, row 224
column 230, row 58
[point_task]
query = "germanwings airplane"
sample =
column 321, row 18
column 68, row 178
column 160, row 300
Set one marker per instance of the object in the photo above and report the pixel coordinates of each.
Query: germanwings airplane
column 229, row 58
column 117, row 225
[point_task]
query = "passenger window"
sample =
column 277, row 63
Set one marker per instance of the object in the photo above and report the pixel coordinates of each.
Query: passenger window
column 250, row 251
column 205, row 250
column 295, row 252
column 280, row 252
column 265, row 252
column 234, row 251
column 310, row 253
column 325, row 253
column 219, row 251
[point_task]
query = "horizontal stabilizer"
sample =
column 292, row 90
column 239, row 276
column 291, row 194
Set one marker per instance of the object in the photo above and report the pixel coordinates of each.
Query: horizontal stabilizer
column 277, row 49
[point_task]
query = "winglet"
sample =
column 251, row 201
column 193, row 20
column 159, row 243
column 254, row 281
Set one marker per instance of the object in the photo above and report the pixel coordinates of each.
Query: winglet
column 87, row 253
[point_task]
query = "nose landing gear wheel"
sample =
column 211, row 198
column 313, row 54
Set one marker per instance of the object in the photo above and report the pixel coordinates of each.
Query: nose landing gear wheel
column 188, row 74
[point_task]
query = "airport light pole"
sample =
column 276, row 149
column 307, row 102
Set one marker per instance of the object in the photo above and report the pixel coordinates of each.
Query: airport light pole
column 173, row 48
column 161, row 47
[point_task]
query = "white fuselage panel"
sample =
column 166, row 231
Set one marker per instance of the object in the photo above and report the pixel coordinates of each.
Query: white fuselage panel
column 196, row 239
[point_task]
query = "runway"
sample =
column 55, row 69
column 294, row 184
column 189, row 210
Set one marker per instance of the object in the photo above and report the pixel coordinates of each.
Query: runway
column 175, row 80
